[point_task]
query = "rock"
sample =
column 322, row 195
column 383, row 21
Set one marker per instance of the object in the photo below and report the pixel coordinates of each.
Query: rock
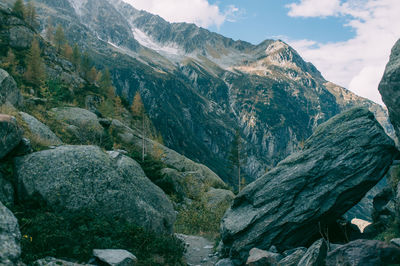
column 115, row 257
column 389, row 87
column 40, row 131
column 395, row 241
column 291, row 251
column 224, row 262
column 293, row 259
column 364, row 253
column 23, row 148
column 50, row 261
column 315, row 255
column 196, row 173
column 20, row 37
column 199, row 250
column 258, row 257
column 10, row 237
column 80, row 118
column 86, row 178
column 6, row 192
column 340, row 162
column 10, row 134
column 9, row 92
column 220, row 197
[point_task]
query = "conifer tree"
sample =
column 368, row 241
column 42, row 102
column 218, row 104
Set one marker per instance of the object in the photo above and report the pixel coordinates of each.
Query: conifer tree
column 49, row 30
column 105, row 83
column 35, row 72
column 76, row 56
column 139, row 111
column 10, row 62
column 237, row 158
column 59, row 38
column 19, row 8
column 67, row 51
column 85, row 64
column 92, row 75
column 30, row 15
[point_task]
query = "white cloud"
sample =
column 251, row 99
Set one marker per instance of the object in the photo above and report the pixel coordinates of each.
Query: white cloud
column 359, row 62
column 314, row 8
column 200, row 12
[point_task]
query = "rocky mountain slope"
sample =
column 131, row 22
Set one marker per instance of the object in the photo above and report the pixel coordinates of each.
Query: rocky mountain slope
column 198, row 87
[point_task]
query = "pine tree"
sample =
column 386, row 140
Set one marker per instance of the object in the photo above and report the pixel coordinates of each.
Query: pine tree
column 92, row 75
column 237, row 158
column 139, row 111
column 67, row 51
column 10, row 62
column 105, row 84
column 49, row 30
column 59, row 38
column 76, row 56
column 35, row 73
column 85, row 64
column 19, row 9
column 30, row 15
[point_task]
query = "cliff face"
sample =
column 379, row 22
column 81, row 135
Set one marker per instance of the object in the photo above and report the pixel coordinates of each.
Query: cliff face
column 390, row 87
column 198, row 87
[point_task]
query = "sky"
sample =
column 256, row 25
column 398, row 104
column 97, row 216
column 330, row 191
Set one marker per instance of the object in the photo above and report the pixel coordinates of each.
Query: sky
column 349, row 41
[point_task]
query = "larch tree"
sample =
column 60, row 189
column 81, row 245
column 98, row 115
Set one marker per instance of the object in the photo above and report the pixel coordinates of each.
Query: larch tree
column 76, row 56
column 67, row 51
column 10, row 62
column 19, row 9
column 139, row 112
column 92, row 75
column 59, row 38
column 49, row 30
column 35, row 71
column 30, row 15
column 105, row 84
column 237, row 158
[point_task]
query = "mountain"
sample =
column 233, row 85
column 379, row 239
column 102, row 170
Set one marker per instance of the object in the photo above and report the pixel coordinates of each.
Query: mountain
column 199, row 87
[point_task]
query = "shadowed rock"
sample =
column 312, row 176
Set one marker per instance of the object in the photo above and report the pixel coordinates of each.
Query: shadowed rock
column 340, row 162
column 10, row 237
column 10, row 134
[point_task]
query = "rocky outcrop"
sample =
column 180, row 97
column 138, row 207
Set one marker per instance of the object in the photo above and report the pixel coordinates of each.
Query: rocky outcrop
column 311, row 189
column 86, row 178
column 293, row 259
column 315, row 255
column 10, row 237
column 364, row 253
column 390, row 87
column 6, row 192
column 258, row 257
column 9, row 92
column 115, row 257
column 219, row 197
column 40, row 131
column 81, row 119
column 50, row 261
column 10, row 134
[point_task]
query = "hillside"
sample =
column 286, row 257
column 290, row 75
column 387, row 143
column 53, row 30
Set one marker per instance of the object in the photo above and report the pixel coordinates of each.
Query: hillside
column 198, row 87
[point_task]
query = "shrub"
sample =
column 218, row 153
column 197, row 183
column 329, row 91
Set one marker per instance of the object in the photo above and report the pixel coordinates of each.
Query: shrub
column 75, row 235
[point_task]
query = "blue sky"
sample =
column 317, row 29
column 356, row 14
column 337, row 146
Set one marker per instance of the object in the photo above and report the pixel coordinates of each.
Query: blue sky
column 258, row 20
column 349, row 41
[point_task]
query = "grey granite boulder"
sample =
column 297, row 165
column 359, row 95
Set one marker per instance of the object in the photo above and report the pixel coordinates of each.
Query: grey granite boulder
column 73, row 178
column 315, row 255
column 389, row 87
column 40, row 131
column 9, row 92
column 364, row 253
column 10, row 134
column 50, row 261
column 219, row 197
column 293, row 259
column 258, row 257
column 20, row 37
column 6, row 192
column 340, row 163
column 115, row 257
column 10, row 237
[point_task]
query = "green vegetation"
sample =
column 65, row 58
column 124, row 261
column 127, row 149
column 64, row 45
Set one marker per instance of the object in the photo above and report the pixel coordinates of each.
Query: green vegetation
column 19, row 9
column 75, row 235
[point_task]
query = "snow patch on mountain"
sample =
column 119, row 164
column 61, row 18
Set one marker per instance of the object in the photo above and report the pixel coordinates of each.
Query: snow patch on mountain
column 147, row 41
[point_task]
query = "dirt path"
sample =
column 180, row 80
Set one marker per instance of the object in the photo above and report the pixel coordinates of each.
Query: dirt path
column 199, row 250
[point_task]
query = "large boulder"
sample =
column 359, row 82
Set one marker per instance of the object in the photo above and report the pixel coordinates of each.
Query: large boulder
column 40, row 131
column 20, row 37
column 315, row 255
column 340, row 162
column 50, row 261
column 10, row 237
column 390, row 87
column 74, row 178
column 364, row 253
column 10, row 134
column 9, row 92
column 115, row 257
column 6, row 192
